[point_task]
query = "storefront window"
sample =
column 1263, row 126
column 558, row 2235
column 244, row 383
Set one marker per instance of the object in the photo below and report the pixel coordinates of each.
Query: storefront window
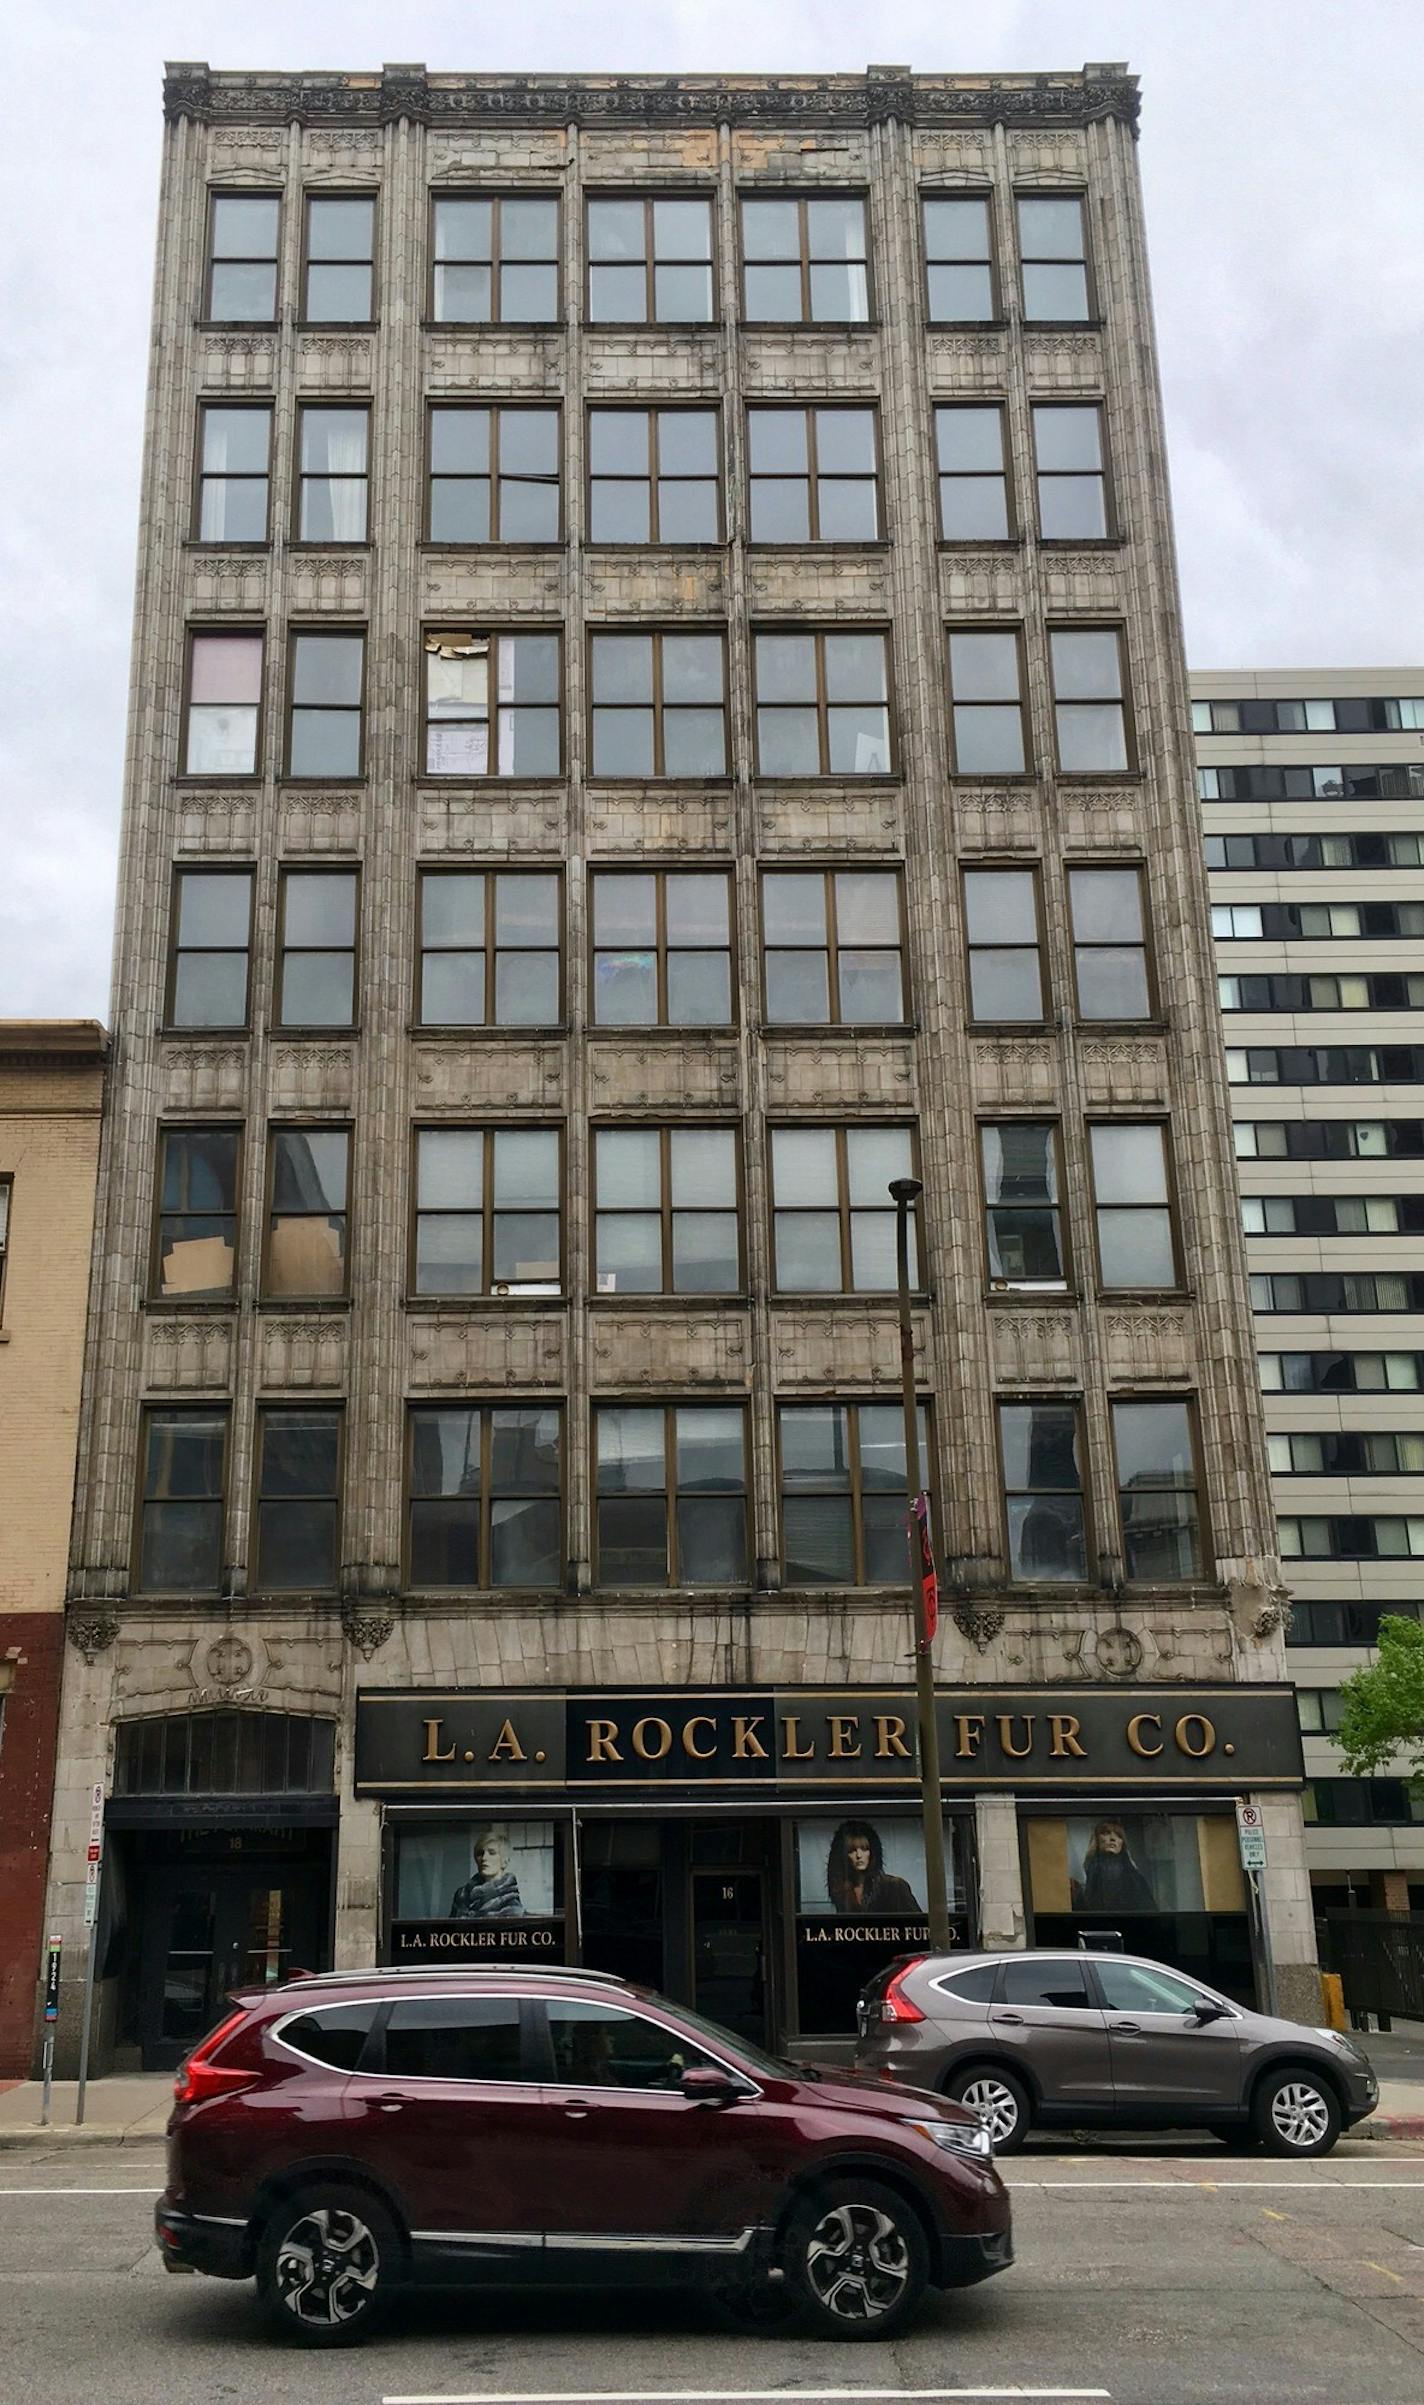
column 492, row 1886
column 1164, row 1884
column 861, row 1898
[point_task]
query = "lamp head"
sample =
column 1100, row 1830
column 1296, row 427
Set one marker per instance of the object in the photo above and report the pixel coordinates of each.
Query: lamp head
column 906, row 1190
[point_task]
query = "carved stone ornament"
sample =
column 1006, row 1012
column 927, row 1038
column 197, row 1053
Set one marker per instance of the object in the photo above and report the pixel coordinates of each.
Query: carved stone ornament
column 367, row 1630
column 190, row 90
column 1259, row 1600
column 979, row 1623
column 92, row 1632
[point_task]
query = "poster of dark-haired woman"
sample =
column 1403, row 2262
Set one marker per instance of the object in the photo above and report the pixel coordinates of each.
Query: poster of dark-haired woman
column 857, row 1881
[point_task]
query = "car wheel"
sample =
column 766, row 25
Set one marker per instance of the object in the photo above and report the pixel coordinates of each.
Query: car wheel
column 1295, row 2112
column 327, row 2263
column 856, row 2260
column 1000, row 2100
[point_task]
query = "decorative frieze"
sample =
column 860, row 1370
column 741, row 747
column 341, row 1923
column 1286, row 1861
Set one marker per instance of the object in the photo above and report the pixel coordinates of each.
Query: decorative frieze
column 237, row 362
column 1012, row 1072
column 1083, row 580
column 982, row 583
column 805, row 583
column 634, row 583
column 1003, row 818
column 853, row 1349
column 478, row 584
column 843, row 363
column 203, row 1077
column 193, row 1353
column 1100, row 822
column 1035, row 1348
column 312, row 1077
column 335, row 362
column 299, row 1355
column 489, row 1350
column 879, row 1071
column 235, row 580
column 336, row 580
column 215, row 822
column 699, row 1073
column 622, row 825
column 1151, row 1342
column 966, row 363
column 1127, row 1070
column 457, row 1077
column 492, row 363
column 320, row 822
column 1063, row 362
column 677, row 363
column 631, row 1351
column 856, row 822
column 495, row 825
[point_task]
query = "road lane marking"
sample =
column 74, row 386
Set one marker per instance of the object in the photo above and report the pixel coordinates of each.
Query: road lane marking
column 730, row 2396
column 1383, row 2268
column 1268, row 2215
column 148, row 2190
column 1299, row 2187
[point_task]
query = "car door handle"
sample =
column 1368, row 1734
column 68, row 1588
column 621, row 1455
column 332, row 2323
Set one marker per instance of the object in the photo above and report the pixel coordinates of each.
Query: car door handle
column 573, row 2110
column 1128, row 2028
column 1016, row 2018
column 390, row 2103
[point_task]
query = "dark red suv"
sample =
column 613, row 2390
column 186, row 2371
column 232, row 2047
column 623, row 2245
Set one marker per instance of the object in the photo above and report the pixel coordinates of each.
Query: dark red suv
column 347, row 2136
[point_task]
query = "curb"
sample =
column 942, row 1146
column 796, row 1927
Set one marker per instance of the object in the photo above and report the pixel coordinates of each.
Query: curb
column 1391, row 2125
column 36, row 2140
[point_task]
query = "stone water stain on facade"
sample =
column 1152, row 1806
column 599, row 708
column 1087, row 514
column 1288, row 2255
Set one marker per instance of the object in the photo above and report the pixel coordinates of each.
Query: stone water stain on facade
column 539, row 945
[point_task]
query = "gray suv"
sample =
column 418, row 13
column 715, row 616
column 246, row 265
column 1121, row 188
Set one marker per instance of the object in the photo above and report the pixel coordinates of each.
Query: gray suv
column 1092, row 2040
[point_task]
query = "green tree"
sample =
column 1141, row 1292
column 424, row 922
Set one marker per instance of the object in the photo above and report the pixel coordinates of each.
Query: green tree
column 1384, row 1703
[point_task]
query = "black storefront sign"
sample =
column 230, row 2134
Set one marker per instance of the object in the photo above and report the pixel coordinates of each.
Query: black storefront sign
column 589, row 1744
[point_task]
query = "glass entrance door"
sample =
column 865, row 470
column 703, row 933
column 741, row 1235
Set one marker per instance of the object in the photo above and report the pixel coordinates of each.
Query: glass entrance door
column 729, row 1949
column 213, row 1928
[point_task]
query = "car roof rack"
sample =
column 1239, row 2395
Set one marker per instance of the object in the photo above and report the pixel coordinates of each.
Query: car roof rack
column 452, row 1970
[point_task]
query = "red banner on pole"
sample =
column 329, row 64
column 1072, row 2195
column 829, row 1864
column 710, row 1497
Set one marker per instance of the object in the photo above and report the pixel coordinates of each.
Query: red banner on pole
column 929, row 1576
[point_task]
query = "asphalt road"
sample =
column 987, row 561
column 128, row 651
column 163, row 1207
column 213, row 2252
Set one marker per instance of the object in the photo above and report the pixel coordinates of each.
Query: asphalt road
column 1178, row 2276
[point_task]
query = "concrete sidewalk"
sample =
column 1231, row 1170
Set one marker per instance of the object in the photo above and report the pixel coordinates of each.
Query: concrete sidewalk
column 134, row 2110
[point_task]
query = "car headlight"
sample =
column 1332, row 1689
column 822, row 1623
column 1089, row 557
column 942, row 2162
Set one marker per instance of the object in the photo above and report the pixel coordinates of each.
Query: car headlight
column 958, row 2137
column 1347, row 2045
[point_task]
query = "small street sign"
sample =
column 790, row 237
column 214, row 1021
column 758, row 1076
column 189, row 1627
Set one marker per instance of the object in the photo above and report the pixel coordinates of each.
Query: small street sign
column 1251, row 1836
column 52, row 1962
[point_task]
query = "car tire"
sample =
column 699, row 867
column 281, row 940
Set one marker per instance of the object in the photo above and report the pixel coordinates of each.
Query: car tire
column 1296, row 2112
column 328, row 2262
column 856, row 2260
column 999, row 2099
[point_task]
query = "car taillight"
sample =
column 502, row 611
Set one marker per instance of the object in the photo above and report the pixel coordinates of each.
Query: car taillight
column 201, row 2077
column 895, row 2005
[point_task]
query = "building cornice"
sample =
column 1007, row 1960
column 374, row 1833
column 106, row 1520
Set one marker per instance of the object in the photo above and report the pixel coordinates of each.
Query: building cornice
column 193, row 91
column 53, row 1039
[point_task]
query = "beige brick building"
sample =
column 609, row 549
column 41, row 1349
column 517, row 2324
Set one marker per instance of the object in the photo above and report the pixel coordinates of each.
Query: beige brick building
column 1312, row 789
column 658, row 709
column 51, row 1091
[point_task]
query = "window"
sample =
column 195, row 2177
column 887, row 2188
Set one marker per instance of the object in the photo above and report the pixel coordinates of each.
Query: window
column 485, row 1496
column 659, row 705
column 959, row 259
column 973, row 484
column 813, row 475
column 331, row 502
column 843, row 1493
column 1157, row 1491
column 805, row 262
column 496, row 262
column 1355, row 714
column 242, row 257
column 228, row 1752
column 7, row 1187
column 309, row 1170
column 1109, row 943
column 454, row 2037
column 1347, row 1453
column 341, row 246
column 599, row 2046
column 1368, row 1803
column 212, row 930
column 224, row 694
column 986, row 693
column 1136, row 1251
column 1001, row 925
column 325, row 732
column 335, row 2036
column 822, row 705
column 492, row 704
column 1341, row 1373
column 489, row 948
column 1088, row 710
column 181, row 1509
column 833, row 1217
column 316, row 966
column 1392, row 1290
column 1236, row 920
column 1130, row 1987
column 1022, row 1196
column 652, row 476
column 1060, row 1986
column 1043, row 1493
column 972, row 1987
column 672, row 1495
column 197, row 1212
column 494, row 475
column 1068, row 457
column 1053, row 256
column 486, row 1211
column 666, row 1218
column 234, row 447
column 662, row 948
column 650, row 262
column 1351, row 1538
column 832, row 941
column 298, row 1487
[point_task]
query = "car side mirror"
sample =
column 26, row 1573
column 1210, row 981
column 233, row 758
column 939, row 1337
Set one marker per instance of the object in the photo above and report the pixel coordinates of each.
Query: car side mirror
column 703, row 2083
column 1204, row 2012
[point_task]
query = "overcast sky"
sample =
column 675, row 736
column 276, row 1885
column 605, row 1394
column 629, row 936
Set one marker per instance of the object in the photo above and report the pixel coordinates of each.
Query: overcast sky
column 1285, row 204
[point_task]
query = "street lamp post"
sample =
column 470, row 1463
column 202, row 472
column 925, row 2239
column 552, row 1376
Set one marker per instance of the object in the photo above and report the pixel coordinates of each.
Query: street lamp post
column 906, row 1192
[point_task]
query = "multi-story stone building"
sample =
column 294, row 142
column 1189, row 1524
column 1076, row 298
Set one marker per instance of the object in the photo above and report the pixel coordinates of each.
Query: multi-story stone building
column 1312, row 785
column 658, row 709
column 51, row 1089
